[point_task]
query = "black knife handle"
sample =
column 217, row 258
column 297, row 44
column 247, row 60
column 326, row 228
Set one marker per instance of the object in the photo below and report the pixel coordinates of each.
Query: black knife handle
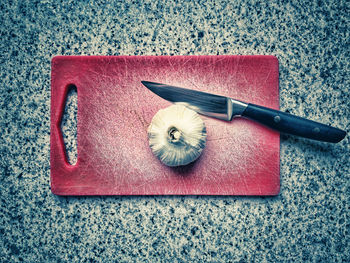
column 287, row 123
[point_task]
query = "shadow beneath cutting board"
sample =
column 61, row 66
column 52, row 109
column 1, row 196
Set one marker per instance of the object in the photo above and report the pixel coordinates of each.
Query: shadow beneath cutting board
column 193, row 200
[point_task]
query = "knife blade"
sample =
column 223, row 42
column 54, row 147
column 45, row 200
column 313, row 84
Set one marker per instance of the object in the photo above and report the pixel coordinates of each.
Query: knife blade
column 226, row 108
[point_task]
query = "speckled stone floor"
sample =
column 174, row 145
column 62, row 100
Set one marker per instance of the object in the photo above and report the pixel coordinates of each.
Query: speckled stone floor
column 307, row 222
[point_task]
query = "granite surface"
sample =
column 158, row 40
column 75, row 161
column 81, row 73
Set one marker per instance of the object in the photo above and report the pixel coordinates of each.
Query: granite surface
column 307, row 222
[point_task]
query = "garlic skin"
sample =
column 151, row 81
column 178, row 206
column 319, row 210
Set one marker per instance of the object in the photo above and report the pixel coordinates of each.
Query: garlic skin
column 177, row 135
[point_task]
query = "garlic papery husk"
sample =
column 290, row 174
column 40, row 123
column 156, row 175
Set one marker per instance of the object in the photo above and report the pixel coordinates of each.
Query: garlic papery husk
column 177, row 135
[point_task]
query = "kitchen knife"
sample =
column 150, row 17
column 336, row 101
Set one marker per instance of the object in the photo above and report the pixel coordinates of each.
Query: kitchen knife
column 226, row 108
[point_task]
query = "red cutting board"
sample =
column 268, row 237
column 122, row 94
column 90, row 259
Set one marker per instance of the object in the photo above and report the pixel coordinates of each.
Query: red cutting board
column 115, row 109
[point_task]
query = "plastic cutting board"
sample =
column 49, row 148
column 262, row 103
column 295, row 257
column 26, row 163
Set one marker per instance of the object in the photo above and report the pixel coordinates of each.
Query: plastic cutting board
column 115, row 109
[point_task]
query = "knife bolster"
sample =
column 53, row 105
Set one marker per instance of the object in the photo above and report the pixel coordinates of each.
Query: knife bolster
column 236, row 108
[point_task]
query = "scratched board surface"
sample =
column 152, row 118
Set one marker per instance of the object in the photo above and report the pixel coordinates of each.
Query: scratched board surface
column 115, row 110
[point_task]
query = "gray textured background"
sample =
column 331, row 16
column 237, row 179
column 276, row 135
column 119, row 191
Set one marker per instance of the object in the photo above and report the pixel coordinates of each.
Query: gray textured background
column 307, row 222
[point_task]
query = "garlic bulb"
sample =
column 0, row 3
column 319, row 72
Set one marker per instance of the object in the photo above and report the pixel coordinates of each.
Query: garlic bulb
column 177, row 135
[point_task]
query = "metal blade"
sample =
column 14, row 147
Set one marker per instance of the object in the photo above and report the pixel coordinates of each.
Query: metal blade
column 205, row 103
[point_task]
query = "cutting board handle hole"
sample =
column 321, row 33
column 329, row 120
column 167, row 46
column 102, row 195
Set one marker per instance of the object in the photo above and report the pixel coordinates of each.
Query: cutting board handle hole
column 69, row 123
